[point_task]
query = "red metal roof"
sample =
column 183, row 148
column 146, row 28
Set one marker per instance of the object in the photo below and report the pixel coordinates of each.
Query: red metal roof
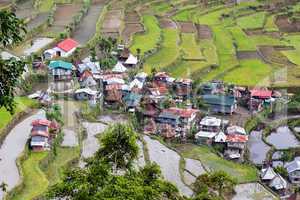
column 67, row 44
column 185, row 113
column 236, row 138
column 39, row 133
column 43, row 122
column 261, row 93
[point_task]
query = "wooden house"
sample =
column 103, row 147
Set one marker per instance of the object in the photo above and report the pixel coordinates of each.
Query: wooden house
column 40, row 136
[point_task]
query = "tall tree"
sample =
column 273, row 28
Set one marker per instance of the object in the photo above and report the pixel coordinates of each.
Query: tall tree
column 118, row 146
column 12, row 30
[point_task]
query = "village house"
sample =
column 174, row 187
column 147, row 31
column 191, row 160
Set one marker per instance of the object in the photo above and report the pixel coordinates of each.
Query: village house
column 86, row 80
column 64, row 48
column 209, row 127
column 183, row 88
column 236, row 145
column 132, row 101
column 220, row 103
column 88, row 64
column 187, row 117
column 273, row 180
column 162, row 79
column 293, row 169
column 131, row 61
column 40, row 134
column 149, row 107
column 168, row 118
column 86, row 94
column 258, row 97
column 61, row 70
column 231, row 130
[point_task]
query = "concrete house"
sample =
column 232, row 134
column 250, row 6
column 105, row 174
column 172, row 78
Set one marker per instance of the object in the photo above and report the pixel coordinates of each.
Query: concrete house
column 64, row 48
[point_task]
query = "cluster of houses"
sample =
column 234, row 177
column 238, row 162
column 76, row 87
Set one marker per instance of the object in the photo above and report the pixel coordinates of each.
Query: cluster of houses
column 163, row 102
column 279, row 183
column 42, row 134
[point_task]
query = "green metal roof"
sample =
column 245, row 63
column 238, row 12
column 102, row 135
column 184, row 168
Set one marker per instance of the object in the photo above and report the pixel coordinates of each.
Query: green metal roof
column 60, row 64
column 219, row 100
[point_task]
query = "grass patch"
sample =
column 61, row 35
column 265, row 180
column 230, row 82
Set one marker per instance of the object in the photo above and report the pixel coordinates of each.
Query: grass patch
column 22, row 103
column 168, row 53
column 55, row 170
column 189, row 46
column 150, row 38
column 252, row 21
column 243, row 173
column 256, row 71
column 34, row 180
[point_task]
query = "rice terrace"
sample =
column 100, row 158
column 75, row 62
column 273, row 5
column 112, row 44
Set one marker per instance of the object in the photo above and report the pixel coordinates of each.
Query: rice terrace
column 150, row 99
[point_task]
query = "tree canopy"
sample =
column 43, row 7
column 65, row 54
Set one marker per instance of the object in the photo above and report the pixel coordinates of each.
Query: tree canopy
column 118, row 146
column 99, row 179
column 12, row 30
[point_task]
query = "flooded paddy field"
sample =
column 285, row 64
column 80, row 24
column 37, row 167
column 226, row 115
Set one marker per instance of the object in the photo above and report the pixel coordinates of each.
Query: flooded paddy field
column 283, row 138
column 258, row 149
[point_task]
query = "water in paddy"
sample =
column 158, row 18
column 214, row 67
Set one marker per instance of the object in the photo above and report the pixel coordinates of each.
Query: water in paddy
column 258, row 149
column 283, row 138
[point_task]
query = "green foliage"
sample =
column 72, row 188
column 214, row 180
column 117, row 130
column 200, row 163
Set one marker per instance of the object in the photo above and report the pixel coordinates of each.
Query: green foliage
column 287, row 156
column 54, row 113
column 218, row 181
column 97, row 181
column 118, row 146
column 90, row 113
column 12, row 31
column 282, row 171
column 294, row 104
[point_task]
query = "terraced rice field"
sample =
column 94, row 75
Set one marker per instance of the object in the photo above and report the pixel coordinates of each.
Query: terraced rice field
column 87, row 28
column 168, row 52
column 63, row 16
column 149, row 39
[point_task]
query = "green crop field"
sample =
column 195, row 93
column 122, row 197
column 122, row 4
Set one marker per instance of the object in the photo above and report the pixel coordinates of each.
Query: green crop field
column 167, row 54
column 189, row 46
column 148, row 40
column 252, row 21
column 256, row 71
